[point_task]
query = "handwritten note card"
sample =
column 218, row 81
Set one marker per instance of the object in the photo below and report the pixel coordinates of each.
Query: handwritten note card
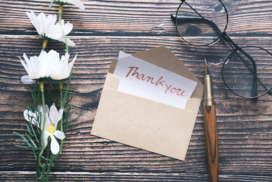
column 143, row 79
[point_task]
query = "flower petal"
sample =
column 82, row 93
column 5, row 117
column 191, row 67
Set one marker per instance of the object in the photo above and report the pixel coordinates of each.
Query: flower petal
column 45, row 138
column 52, row 19
column 78, row 3
column 71, row 64
column 47, row 122
column 26, row 80
column 54, row 114
column 25, row 66
column 70, row 43
column 67, row 28
column 30, row 116
column 54, row 145
column 59, row 134
column 46, row 109
column 59, row 117
column 34, row 20
column 40, row 109
column 60, row 114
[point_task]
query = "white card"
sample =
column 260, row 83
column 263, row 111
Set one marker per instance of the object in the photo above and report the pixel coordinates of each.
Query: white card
column 146, row 80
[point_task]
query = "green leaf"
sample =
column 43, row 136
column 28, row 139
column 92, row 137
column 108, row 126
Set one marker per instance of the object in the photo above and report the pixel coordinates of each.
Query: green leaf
column 20, row 146
column 51, row 4
column 20, row 141
column 29, row 138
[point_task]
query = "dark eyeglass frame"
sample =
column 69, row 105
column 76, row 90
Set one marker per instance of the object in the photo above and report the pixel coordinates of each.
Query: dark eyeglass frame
column 234, row 46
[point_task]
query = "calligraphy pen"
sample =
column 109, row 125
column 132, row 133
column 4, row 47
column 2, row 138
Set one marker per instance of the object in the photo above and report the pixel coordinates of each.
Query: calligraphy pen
column 210, row 127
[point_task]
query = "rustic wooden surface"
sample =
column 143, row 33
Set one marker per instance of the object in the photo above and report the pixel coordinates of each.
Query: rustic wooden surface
column 100, row 32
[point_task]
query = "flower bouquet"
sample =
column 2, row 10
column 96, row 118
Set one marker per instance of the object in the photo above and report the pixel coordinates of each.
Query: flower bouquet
column 47, row 125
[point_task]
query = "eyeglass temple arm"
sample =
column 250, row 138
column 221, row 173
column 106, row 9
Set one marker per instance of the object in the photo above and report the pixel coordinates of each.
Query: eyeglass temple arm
column 196, row 19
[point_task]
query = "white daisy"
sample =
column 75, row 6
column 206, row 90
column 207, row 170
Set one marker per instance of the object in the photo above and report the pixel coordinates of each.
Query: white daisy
column 51, row 122
column 77, row 3
column 49, row 29
column 39, row 67
column 50, row 129
column 61, row 69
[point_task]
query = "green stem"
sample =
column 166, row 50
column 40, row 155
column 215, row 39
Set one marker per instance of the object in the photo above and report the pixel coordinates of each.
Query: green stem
column 43, row 171
column 61, row 85
column 48, row 167
column 64, row 36
column 35, row 93
column 68, row 85
column 38, row 164
column 61, row 103
column 44, row 114
column 48, row 152
column 36, row 179
column 37, row 167
column 44, row 44
column 60, row 13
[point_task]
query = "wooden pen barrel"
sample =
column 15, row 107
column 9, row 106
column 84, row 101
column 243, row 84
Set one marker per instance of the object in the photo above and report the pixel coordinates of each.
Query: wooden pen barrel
column 211, row 142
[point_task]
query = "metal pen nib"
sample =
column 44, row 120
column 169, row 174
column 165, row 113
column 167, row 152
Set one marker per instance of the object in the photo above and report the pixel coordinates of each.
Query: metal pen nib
column 208, row 90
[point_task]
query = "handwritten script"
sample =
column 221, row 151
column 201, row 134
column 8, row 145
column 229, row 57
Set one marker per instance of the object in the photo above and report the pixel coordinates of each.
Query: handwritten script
column 158, row 82
column 146, row 80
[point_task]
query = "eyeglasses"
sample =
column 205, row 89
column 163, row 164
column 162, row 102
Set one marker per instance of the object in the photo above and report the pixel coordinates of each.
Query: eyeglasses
column 246, row 71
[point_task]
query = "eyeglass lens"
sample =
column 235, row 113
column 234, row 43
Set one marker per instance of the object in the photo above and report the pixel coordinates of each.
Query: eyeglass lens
column 191, row 26
column 245, row 77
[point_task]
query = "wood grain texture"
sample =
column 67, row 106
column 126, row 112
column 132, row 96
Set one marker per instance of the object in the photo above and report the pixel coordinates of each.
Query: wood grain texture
column 244, row 128
column 100, row 32
column 211, row 138
column 134, row 17
column 7, row 176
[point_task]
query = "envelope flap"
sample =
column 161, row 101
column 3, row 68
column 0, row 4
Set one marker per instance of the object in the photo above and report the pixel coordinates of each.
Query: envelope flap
column 164, row 58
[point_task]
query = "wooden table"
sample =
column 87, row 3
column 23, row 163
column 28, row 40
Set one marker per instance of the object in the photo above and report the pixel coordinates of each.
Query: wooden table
column 100, row 32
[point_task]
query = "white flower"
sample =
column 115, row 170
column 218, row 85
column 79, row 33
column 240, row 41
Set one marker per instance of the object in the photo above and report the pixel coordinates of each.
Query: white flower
column 77, row 3
column 39, row 67
column 61, row 69
column 51, row 122
column 49, row 29
column 34, row 117
column 50, row 129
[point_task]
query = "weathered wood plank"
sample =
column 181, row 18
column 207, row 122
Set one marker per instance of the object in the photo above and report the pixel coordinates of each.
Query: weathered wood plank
column 113, row 176
column 134, row 17
column 244, row 128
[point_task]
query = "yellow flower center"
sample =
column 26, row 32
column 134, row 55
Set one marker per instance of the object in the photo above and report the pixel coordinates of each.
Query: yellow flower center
column 52, row 129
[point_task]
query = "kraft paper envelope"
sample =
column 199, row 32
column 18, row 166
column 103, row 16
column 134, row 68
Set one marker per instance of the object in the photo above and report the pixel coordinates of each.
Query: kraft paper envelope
column 147, row 124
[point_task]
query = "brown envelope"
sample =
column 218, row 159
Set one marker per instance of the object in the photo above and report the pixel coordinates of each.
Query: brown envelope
column 147, row 124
